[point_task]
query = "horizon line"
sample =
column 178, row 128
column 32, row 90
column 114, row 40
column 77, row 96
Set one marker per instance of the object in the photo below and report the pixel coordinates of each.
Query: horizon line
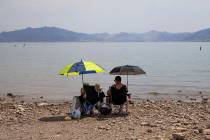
column 153, row 30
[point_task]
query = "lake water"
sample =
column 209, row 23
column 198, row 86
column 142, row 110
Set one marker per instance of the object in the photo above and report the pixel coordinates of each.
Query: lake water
column 32, row 70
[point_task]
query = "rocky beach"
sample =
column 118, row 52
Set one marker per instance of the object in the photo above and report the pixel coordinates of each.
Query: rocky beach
column 147, row 120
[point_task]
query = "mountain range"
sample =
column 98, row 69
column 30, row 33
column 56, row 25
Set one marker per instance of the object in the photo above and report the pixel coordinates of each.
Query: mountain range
column 54, row 34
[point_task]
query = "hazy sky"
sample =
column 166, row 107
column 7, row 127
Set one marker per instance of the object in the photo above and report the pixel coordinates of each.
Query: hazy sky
column 106, row 15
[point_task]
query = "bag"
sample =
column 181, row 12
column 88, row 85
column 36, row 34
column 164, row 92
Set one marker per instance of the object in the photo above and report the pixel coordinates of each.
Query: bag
column 76, row 104
column 105, row 109
column 75, row 112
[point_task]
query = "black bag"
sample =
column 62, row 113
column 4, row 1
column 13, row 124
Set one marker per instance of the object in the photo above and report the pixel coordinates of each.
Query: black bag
column 105, row 109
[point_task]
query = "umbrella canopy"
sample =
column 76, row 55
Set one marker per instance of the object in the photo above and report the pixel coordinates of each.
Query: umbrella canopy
column 127, row 70
column 80, row 68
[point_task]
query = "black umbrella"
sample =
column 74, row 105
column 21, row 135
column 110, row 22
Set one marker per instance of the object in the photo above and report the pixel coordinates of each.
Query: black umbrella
column 127, row 70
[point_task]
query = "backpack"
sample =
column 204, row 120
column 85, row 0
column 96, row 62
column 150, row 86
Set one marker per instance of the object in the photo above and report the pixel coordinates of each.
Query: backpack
column 105, row 108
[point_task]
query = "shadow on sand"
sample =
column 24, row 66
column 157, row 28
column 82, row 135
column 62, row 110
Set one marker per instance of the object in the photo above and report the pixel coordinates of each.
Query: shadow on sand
column 52, row 119
column 97, row 116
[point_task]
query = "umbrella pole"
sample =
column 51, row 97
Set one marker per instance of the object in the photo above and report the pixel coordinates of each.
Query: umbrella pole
column 82, row 80
column 127, row 81
column 128, row 96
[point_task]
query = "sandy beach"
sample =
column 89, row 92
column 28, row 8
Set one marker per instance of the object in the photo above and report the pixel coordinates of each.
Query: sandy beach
column 147, row 120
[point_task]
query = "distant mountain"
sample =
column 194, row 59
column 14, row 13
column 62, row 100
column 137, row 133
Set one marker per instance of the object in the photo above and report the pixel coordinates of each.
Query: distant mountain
column 53, row 34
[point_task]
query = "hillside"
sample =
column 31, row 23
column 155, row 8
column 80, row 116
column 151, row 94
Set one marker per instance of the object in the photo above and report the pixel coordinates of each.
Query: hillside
column 53, row 34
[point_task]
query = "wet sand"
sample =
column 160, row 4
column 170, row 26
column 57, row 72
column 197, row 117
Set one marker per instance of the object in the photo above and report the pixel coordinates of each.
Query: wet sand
column 147, row 120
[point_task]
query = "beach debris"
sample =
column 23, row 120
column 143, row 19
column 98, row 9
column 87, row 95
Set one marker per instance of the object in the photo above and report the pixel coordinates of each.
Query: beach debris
column 179, row 91
column 178, row 136
column 41, row 97
column 200, row 92
column 10, row 95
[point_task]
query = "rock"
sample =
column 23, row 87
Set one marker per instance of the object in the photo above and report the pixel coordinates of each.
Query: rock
column 208, row 126
column 85, row 133
column 159, row 122
column 113, row 121
column 19, row 112
column 67, row 118
column 20, row 107
column 179, row 91
column 153, row 125
column 101, row 127
column 42, row 104
column 131, row 129
column 178, row 136
column 196, row 131
column 206, row 131
column 205, row 100
column 131, row 138
column 41, row 97
column 207, row 137
column 179, row 101
column 10, row 95
column 193, row 99
column 107, row 128
column 180, row 129
column 145, row 124
column 158, row 138
column 200, row 130
column 149, row 130
column 162, row 127
column 13, row 119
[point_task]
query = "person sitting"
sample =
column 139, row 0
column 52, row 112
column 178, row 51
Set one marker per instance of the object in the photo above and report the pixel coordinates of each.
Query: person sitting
column 90, row 96
column 101, row 95
column 118, row 93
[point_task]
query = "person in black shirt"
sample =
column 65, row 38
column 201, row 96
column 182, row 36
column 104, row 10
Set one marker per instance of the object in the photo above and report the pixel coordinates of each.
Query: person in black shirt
column 118, row 93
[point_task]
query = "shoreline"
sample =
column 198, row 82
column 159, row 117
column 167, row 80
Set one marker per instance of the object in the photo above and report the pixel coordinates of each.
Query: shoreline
column 147, row 119
column 186, row 96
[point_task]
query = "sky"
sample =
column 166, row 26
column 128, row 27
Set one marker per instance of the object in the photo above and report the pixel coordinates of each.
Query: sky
column 112, row 16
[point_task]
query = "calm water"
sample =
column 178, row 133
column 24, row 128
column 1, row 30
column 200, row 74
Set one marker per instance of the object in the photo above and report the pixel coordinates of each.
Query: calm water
column 32, row 70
